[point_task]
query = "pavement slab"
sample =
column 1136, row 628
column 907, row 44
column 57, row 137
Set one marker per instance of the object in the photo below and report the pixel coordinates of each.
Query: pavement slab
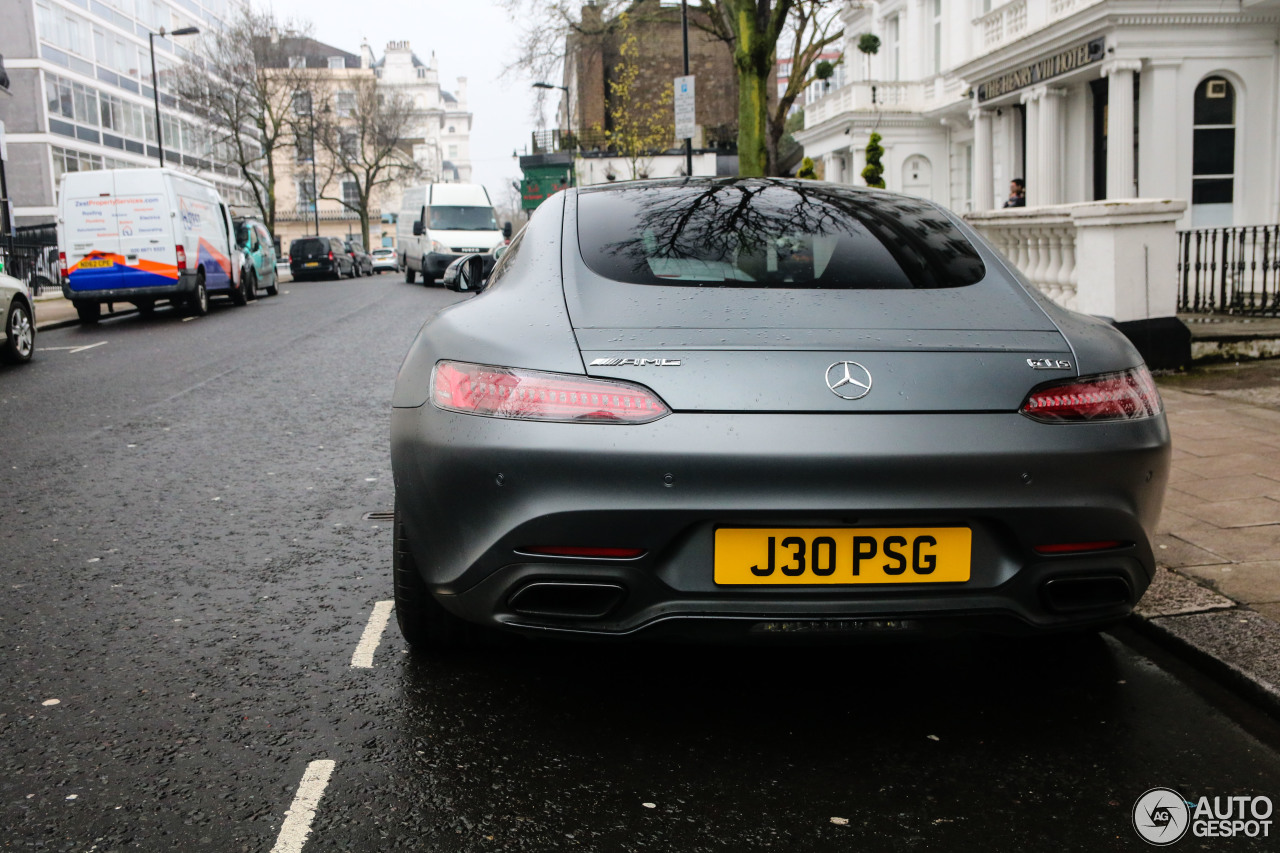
column 1247, row 583
column 1216, row 595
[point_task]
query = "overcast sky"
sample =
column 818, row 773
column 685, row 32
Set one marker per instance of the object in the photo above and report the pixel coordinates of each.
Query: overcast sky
column 471, row 38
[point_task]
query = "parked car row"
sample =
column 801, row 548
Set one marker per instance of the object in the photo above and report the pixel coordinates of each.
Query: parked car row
column 146, row 236
column 331, row 257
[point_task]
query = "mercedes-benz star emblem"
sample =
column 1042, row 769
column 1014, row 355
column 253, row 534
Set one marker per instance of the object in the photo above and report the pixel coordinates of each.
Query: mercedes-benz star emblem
column 849, row 380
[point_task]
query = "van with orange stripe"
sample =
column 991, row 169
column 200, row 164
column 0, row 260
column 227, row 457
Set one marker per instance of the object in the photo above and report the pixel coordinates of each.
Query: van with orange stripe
column 144, row 236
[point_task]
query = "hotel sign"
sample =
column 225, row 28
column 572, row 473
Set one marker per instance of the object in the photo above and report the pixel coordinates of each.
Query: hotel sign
column 1045, row 69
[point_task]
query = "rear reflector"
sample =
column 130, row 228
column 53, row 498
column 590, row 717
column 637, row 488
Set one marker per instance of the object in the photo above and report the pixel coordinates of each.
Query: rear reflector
column 504, row 392
column 575, row 551
column 1078, row 547
column 1124, row 396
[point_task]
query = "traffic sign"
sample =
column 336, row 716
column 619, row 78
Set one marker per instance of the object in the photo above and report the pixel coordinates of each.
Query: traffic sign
column 685, row 124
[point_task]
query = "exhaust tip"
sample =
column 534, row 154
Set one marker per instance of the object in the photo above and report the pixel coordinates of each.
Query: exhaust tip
column 567, row 599
column 1076, row 594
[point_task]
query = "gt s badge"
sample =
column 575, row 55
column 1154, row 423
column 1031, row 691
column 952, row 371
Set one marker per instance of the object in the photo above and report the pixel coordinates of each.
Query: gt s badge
column 636, row 362
column 1048, row 364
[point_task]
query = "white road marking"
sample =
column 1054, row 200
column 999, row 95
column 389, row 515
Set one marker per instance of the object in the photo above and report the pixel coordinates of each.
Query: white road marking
column 297, row 820
column 73, row 349
column 363, row 658
column 189, row 319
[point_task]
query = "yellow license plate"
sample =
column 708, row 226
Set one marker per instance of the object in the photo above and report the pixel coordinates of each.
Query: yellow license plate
column 95, row 263
column 842, row 555
column 312, row 264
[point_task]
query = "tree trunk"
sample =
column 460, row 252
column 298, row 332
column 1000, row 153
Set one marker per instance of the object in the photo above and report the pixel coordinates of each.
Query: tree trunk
column 269, row 215
column 753, row 115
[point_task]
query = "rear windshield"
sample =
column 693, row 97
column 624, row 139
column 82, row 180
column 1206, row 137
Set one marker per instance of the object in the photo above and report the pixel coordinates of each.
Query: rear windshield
column 449, row 218
column 767, row 234
column 308, row 244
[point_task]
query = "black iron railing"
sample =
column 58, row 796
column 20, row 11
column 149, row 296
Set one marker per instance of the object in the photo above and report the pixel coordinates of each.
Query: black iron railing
column 1230, row 270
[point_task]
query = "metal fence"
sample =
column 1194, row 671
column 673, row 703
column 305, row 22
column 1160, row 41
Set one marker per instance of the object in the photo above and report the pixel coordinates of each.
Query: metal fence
column 31, row 254
column 1230, row 270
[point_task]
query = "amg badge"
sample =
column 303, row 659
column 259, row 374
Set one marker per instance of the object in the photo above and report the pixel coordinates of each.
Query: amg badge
column 636, row 362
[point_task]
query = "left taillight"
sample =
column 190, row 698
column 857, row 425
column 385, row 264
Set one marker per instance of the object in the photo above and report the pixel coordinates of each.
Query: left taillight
column 1126, row 395
column 504, row 392
column 181, row 257
column 62, row 266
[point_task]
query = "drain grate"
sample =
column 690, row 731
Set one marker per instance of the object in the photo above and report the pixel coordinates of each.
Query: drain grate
column 379, row 515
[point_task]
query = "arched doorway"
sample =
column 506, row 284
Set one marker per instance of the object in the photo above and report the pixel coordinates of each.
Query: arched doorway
column 1213, row 154
column 917, row 176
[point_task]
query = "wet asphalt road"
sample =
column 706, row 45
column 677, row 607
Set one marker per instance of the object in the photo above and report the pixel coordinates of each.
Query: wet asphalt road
column 187, row 569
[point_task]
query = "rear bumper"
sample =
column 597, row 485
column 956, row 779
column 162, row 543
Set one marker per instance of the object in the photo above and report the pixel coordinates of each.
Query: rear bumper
column 322, row 268
column 185, row 285
column 475, row 493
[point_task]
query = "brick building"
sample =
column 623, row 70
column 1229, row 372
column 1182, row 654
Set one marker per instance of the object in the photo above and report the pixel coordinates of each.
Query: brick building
column 592, row 54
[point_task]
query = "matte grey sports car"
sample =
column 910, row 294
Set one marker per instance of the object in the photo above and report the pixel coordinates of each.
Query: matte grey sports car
column 749, row 408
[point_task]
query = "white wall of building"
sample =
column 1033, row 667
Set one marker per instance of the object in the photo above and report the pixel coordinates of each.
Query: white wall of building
column 928, row 103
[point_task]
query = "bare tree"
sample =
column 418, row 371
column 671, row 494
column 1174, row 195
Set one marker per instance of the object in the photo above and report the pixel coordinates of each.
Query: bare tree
column 751, row 28
column 364, row 135
column 242, row 84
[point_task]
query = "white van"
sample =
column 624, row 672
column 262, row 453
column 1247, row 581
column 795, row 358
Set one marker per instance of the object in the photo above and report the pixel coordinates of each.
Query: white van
column 144, row 235
column 439, row 223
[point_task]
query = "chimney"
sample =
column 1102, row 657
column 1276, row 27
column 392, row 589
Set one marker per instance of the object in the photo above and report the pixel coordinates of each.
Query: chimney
column 366, row 54
column 275, row 36
column 461, row 93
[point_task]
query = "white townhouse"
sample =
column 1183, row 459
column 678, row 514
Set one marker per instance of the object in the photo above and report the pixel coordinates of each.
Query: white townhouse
column 1084, row 99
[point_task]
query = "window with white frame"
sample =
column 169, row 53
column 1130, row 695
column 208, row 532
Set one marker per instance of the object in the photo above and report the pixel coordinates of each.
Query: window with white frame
column 937, row 36
column 336, row 63
column 345, row 104
column 351, row 193
column 893, row 54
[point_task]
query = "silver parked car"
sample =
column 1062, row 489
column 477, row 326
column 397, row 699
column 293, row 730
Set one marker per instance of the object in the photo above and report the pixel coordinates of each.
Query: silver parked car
column 18, row 342
column 384, row 260
column 750, row 409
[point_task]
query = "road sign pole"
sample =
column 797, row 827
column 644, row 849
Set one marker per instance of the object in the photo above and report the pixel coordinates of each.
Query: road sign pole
column 684, row 26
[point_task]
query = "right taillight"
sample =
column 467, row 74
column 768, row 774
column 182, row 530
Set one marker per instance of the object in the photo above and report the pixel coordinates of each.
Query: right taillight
column 181, row 256
column 1126, row 395
column 532, row 395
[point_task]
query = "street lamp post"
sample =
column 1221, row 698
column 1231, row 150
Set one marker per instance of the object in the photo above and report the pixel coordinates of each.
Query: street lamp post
column 573, row 150
column 155, row 86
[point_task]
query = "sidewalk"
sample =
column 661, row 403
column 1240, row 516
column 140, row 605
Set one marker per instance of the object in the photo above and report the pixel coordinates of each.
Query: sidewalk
column 1217, row 593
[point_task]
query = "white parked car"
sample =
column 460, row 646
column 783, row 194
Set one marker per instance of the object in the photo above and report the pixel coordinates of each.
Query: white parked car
column 18, row 340
column 385, row 259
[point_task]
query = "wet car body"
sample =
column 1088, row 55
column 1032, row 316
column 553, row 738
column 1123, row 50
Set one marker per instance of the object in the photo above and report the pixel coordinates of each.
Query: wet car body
column 770, row 452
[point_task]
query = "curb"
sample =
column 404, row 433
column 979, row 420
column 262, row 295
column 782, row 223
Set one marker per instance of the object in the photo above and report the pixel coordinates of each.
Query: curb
column 1236, row 646
column 75, row 321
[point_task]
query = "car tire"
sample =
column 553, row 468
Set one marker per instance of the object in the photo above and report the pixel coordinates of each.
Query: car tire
column 88, row 312
column 239, row 295
column 425, row 625
column 199, row 301
column 408, row 273
column 251, row 287
column 20, row 332
column 274, row 287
